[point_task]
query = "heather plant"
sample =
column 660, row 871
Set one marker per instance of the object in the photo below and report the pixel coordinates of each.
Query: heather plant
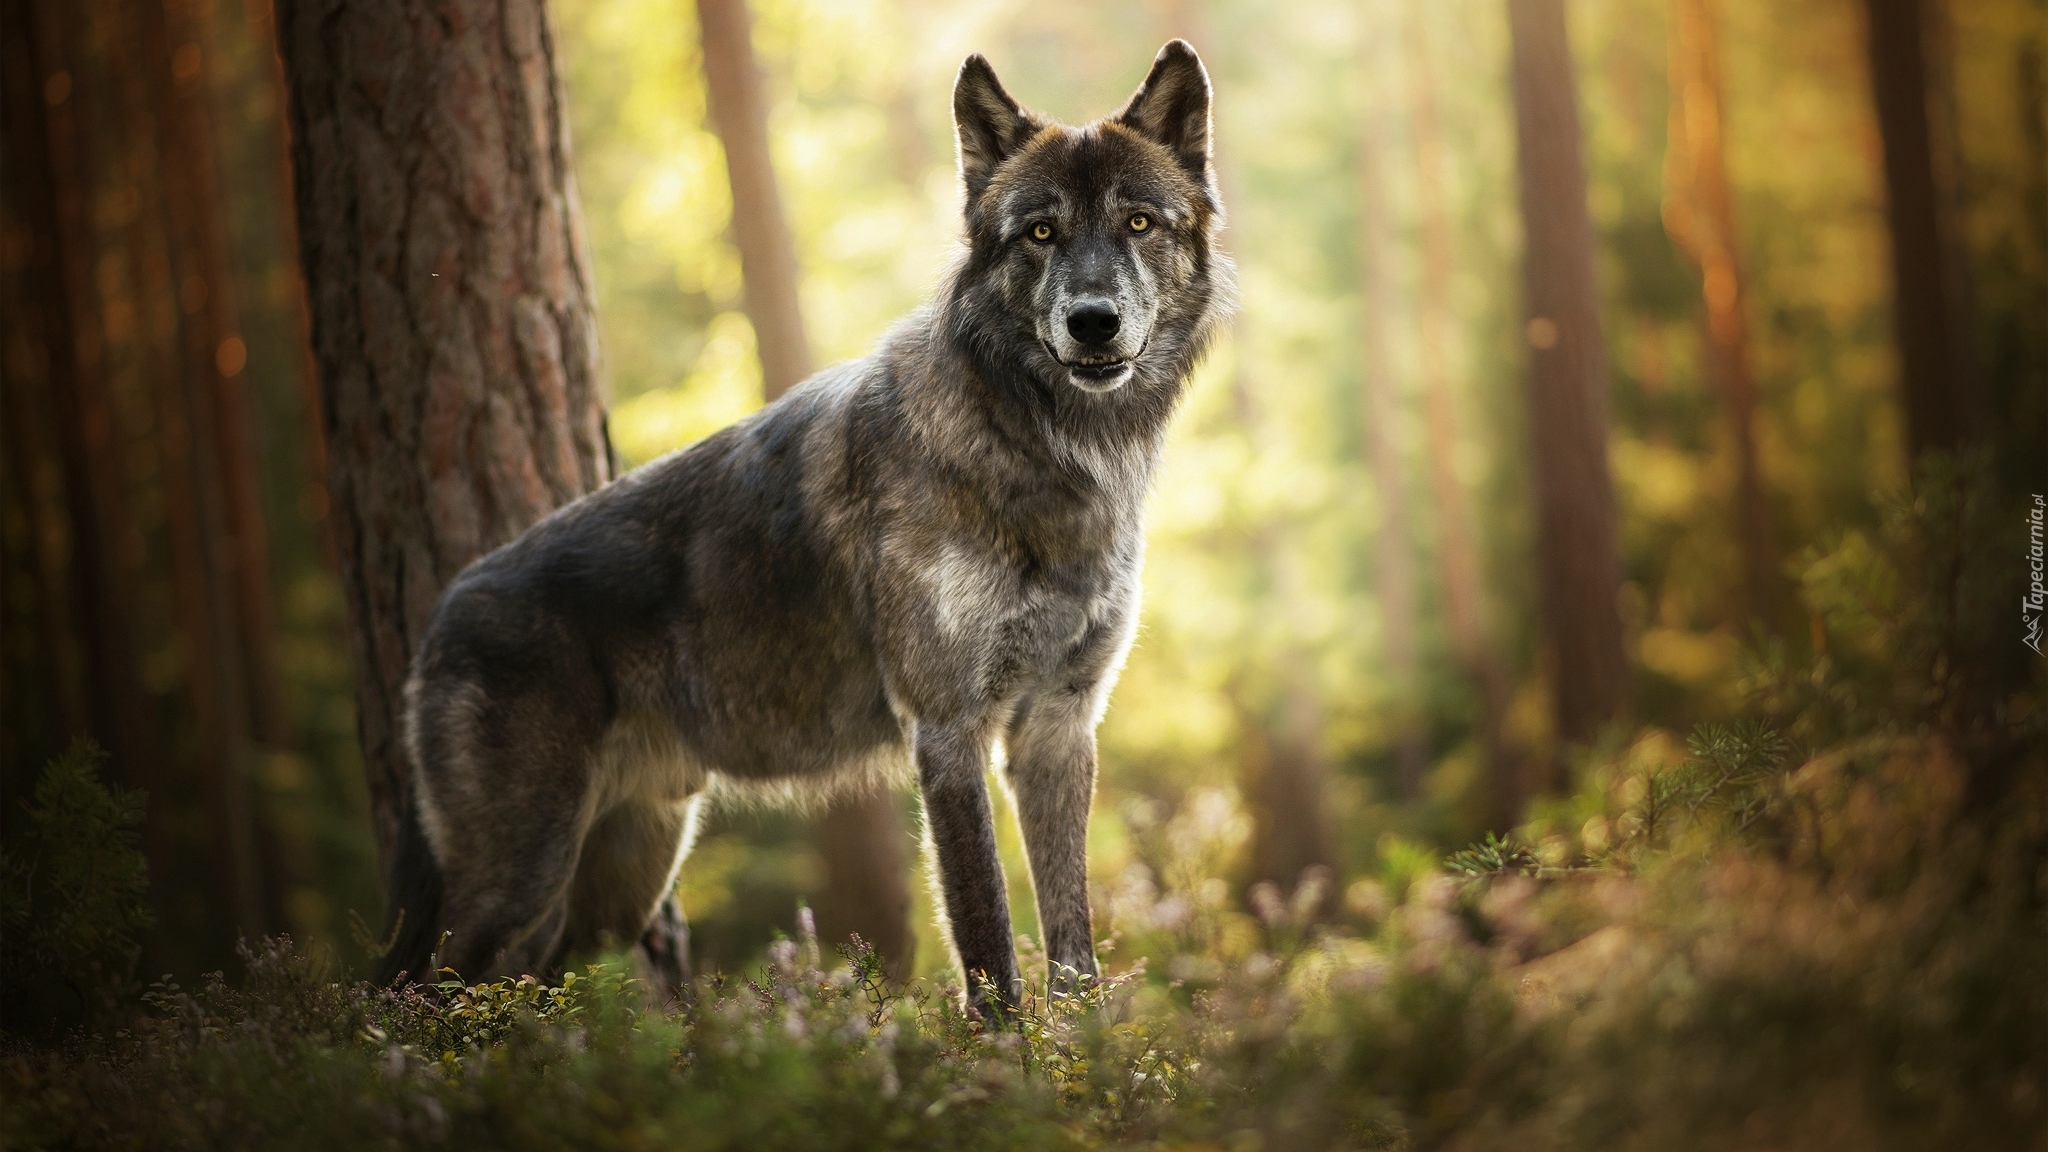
column 1822, row 926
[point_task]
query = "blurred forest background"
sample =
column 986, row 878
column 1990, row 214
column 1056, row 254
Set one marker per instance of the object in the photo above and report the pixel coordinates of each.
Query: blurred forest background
column 1347, row 659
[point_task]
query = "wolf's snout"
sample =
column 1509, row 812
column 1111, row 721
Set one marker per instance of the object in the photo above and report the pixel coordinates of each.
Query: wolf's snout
column 1093, row 322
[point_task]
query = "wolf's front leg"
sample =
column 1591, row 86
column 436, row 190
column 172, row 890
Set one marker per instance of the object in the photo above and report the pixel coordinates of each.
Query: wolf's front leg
column 1052, row 774
column 950, row 762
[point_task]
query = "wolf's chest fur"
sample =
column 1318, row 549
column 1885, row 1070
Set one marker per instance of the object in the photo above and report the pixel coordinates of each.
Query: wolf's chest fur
column 1013, row 616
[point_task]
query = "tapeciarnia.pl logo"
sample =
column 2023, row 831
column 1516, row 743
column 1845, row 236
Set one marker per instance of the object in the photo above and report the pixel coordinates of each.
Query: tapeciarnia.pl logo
column 2036, row 599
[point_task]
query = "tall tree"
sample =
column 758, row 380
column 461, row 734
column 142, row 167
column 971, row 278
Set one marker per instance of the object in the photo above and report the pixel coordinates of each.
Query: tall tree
column 1699, row 213
column 1282, row 770
column 1931, row 320
column 1457, row 550
column 173, row 39
column 55, row 374
column 768, row 267
column 861, row 837
column 451, row 308
column 1380, row 391
column 1579, row 565
column 218, row 542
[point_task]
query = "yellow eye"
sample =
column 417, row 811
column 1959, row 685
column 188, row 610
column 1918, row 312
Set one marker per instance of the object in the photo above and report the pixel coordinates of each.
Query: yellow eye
column 1041, row 231
column 1140, row 222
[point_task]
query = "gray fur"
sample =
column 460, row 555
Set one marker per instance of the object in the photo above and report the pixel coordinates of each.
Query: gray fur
column 907, row 559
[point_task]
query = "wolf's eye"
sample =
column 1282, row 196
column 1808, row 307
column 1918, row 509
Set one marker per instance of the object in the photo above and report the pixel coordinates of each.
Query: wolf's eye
column 1141, row 222
column 1041, row 231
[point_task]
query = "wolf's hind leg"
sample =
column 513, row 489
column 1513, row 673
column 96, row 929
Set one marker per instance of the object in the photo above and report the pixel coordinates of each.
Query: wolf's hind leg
column 508, row 789
column 624, row 891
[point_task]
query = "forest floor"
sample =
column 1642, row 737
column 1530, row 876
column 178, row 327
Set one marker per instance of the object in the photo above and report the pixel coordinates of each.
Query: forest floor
column 1822, row 927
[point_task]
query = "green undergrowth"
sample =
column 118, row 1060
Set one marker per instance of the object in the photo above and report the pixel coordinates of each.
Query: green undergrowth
column 1824, row 926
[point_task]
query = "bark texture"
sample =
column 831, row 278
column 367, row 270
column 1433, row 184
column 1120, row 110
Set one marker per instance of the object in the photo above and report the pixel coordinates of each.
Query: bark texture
column 1930, row 310
column 1578, row 557
column 861, row 838
column 451, row 307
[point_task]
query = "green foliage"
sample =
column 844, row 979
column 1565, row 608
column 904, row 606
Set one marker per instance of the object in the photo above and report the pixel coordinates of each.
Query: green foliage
column 1493, row 856
column 1833, row 947
column 74, row 893
column 1912, row 622
column 1872, row 975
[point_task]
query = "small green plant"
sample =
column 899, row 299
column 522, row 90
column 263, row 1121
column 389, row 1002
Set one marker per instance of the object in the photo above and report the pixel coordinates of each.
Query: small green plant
column 1735, row 768
column 74, row 896
column 1493, row 856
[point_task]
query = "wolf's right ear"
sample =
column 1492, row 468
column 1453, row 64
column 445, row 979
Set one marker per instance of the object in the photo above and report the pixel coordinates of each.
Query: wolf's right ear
column 1172, row 106
column 987, row 122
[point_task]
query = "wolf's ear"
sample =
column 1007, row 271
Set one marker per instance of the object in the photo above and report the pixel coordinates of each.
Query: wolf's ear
column 1172, row 106
column 987, row 122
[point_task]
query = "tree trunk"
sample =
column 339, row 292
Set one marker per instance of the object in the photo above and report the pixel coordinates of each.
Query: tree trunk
column 264, row 17
column 1699, row 213
column 1282, row 771
column 1382, row 404
column 861, row 837
column 215, row 350
column 1283, row 777
column 451, row 310
column 1578, row 555
column 1457, row 550
column 64, row 375
column 862, row 841
column 739, row 113
column 219, row 547
column 1930, row 312
column 2026, row 394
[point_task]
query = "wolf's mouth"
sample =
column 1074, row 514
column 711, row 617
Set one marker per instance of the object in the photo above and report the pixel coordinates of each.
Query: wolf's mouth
column 1096, row 368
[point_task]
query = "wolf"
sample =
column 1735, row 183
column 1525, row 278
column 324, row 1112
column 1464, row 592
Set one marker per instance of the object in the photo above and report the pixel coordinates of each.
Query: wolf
column 905, row 563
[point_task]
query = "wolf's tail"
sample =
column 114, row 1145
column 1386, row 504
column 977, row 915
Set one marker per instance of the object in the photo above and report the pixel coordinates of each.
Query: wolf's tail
column 413, row 924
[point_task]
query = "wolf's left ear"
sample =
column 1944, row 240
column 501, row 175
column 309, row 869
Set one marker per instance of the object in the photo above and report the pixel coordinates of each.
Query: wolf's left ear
column 989, row 124
column 1172, row 106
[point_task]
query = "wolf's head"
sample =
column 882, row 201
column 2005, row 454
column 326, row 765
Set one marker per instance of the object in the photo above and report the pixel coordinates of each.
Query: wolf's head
column 1090, row 258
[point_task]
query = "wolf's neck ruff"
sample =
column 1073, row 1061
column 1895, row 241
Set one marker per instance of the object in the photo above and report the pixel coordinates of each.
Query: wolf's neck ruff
column 903, row 560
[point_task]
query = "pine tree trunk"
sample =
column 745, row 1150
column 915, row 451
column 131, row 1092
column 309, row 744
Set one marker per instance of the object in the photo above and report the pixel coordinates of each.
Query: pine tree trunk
column 215, row 351
column 264, row 17
column 1699, row 212
column 1381, row 404
column 768, row 267
column 1282, row 772
column 451, row 310
column 861, row 838
column 63, row 376
column 2026, row 394
column 1930, row 314
column 219, row 546
column 1457, row 549
column 1578, row 553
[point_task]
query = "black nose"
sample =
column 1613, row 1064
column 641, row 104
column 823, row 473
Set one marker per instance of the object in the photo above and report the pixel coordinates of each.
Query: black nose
column 1093, row 321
